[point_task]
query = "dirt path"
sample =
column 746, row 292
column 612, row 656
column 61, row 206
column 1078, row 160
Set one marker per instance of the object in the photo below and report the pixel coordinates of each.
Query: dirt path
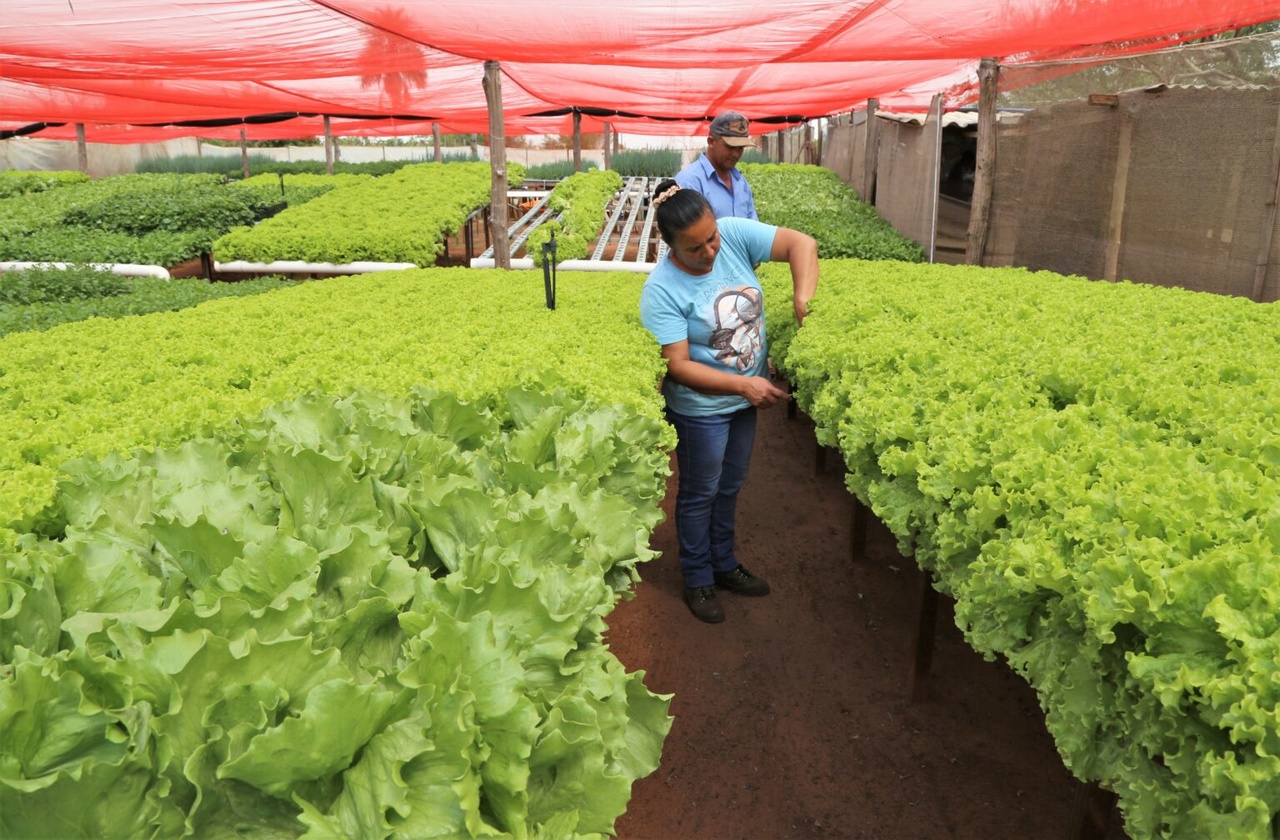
column 792, row 718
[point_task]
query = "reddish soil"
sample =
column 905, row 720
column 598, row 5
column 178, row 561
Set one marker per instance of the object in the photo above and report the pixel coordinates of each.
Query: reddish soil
column 793, row 717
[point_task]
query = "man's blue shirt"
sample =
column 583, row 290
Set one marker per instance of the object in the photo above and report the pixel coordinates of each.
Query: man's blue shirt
column 701, row 176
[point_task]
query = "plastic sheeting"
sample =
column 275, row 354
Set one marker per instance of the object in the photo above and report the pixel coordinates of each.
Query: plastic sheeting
column 144, row 70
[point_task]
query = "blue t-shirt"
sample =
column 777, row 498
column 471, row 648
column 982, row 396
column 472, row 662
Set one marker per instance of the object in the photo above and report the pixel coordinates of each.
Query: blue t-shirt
column 701, row 176
column 720, row 313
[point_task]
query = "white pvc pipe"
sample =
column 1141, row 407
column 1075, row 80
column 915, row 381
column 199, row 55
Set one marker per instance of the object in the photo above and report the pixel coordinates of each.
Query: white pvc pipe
column 489, row 262
column 301, row 267
column 526, row 263
column 123, row 269
column 605, row 265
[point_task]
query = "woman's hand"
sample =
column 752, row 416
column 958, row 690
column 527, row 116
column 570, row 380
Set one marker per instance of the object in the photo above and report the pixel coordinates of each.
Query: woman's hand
column 762, row 393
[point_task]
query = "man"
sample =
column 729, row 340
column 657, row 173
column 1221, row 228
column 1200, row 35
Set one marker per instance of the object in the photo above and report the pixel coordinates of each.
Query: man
column 715, row 173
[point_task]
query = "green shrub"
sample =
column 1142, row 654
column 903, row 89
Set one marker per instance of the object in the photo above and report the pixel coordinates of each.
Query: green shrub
column 55, row 285
column 14, row 182
column 555, row 170
column 119, row 296
column 158, row 219
column 647, row 163
column 182, row 208
column 230, row 166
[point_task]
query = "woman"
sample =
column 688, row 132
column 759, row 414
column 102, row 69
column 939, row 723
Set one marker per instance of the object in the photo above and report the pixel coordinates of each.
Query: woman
column 705, row 306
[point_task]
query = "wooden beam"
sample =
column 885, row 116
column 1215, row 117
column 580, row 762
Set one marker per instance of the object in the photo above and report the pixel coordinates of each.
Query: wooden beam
column 1119, row 186
column 1091, row 818
column 935, row 123
column 577, row 141
column 926, row 630
column 871, row 154
column 498, row 164
column 437, row 154
column 82, row 149
column 858, row 531
column 1268, row 233
column 853, row 163
column 984, row 176
column 328, row 147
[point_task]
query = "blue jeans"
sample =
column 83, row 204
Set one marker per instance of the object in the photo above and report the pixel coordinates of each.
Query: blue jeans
column 712, row 455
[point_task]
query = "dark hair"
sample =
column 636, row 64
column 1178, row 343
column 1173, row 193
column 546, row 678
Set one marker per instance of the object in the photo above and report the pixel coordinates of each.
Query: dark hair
column 678, row 210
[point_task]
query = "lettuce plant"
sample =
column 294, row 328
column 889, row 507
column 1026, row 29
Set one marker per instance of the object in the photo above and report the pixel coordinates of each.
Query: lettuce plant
column 356, row 616
column 1090, row 469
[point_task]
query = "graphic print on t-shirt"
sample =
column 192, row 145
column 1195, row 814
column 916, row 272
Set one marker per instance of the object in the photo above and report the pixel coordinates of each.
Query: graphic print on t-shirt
column 737, row 338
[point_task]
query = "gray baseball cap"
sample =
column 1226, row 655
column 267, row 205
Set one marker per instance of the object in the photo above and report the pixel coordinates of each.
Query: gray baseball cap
column 732, row 128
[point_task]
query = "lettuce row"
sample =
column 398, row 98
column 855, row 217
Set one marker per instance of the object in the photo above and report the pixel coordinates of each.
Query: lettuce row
column 21, row 182
column 1092, row 471
column 580, row 200
column 116, row 297
column 401, row 217
column 159, row 219
column 99, row 386
column 350, row 616
column 814, row 199
column 266, row 188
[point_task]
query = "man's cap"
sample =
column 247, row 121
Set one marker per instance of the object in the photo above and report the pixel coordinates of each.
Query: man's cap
column 733, row 128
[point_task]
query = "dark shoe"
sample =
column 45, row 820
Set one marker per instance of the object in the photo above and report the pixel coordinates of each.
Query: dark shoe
column 704, row 604
column 741, row 582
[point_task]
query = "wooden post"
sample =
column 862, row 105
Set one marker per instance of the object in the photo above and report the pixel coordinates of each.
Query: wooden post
column 328, row 147
column 1268, row 233
column 1092, row 816
column 82, row 149
column 437, row 154
column 858, row 531
column 980, row 204
column 853, row 129
column 498, row 164
column 871, row 154
column 608, row 142
column 935, row 120
column 926, row 630
column 244, row 152
column 475, row 150
column 577, row 140
column 1115, row 223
